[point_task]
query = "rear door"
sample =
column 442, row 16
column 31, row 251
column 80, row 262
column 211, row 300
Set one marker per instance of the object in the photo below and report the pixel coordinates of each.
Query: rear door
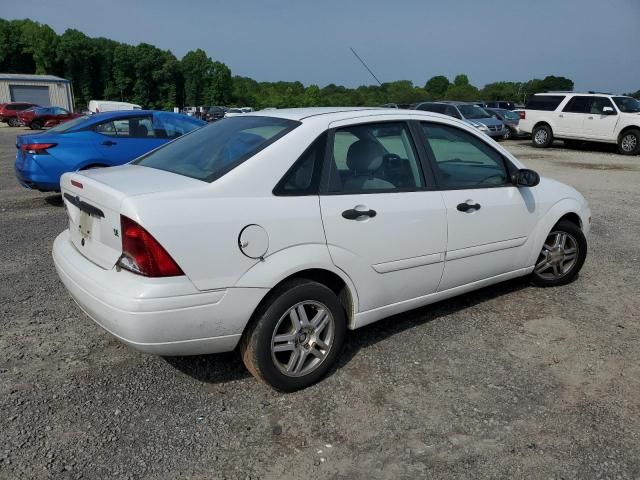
column 489, row 219
column 385, row 225
column 571, row 118
column 121, row 139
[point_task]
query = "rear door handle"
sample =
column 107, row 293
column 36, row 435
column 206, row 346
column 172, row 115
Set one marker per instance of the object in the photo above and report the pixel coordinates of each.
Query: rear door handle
column 353, row 214
column 561, row 116
column 467, row 207
column 108, row 143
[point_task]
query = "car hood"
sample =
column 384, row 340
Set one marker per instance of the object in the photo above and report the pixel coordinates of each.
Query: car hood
column 487, row 121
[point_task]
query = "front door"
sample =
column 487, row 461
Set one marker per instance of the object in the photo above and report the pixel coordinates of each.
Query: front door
column 600, row 122
column 383, row 226
column 489, row 219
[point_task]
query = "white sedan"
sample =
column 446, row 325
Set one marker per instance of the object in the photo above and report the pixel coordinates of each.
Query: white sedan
column 276, row 231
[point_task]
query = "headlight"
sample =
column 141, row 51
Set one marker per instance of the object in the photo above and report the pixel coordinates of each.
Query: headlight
column 482, row 127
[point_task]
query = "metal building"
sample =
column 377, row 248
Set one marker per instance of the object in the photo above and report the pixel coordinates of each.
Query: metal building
column 43, row 90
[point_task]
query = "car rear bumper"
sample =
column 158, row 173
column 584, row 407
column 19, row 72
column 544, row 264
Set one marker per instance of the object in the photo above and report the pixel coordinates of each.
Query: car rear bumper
column 163, row 316
column 31, row 175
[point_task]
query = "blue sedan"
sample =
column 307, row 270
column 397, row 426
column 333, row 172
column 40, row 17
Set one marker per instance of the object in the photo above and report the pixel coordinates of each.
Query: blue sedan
column 101, row 140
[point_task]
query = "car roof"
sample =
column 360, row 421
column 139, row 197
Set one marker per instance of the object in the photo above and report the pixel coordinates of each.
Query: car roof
column 336, row 113
column 583, row 94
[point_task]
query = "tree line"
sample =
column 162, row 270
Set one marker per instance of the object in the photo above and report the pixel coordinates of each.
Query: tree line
column 100, row 68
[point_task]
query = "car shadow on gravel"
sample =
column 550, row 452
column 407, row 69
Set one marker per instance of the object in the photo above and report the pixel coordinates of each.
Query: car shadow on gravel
column 215, row 368
column 226, row 367
column 385, row 328
column 54, row 200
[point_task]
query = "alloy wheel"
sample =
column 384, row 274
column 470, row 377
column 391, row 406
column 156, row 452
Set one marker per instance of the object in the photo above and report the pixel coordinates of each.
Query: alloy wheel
column 629, row 143
column 541, row 136
column 302, row 339
column 558, row 256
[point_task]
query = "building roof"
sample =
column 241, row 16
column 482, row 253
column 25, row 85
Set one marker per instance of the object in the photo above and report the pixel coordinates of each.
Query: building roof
column 31, row 78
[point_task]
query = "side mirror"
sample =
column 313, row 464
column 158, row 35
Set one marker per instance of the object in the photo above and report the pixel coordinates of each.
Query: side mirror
column 608, row 111
column 526, row 178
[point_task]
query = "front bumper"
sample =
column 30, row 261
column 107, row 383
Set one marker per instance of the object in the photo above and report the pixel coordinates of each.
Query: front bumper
column 163, row 316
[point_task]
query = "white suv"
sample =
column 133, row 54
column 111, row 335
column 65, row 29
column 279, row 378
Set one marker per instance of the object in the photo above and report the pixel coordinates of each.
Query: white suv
column 583, row 116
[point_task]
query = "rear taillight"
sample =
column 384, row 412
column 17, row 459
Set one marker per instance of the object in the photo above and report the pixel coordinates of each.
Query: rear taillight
column 522, row 114
column 37, row 148
column 142, row 254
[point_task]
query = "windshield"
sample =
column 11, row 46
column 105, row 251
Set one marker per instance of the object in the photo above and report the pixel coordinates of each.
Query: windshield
column 473, row 112
column 66, row 126
column 627, row 104
column 210, row 152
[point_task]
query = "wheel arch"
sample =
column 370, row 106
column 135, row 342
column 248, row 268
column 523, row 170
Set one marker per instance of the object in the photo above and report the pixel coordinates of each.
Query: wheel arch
column 627, row 129
column 566, row 209
column 286, row 264
column 542, row 123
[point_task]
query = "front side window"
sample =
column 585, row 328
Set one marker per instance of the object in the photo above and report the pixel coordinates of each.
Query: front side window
column 213, row 150
column 461, row 160
column 598, row 104
column 627, row 104
column 374, row 158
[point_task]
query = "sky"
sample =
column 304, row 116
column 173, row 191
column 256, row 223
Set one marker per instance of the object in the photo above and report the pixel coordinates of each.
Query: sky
column 596, row 43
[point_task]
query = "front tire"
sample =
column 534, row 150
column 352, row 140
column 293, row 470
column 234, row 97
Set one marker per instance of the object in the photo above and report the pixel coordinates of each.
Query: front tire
column 507, row 134
column 295, row 336
column 629, row 142
column 542, row 136
column 562, row 256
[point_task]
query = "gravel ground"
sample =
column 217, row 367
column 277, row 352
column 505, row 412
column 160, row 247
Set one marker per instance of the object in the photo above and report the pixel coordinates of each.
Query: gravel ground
column 509, row 382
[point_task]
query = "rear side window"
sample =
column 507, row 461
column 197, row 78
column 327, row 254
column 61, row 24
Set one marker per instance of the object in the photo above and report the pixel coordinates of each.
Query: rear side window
column 304, row 177
column 211, row 151
column 544, row 102
column 578, row 105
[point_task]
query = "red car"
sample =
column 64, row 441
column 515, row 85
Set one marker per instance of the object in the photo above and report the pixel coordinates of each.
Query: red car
column 9, row 112
column 39, row 117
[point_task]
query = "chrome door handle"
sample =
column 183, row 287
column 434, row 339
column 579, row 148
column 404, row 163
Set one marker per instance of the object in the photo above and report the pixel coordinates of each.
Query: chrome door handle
column 561, row 116
column 590, row 118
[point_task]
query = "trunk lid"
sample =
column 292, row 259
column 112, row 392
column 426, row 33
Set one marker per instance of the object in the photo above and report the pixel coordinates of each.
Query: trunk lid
column 93, row 200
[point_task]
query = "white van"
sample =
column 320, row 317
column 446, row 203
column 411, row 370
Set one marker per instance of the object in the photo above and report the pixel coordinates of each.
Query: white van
column 97, row 106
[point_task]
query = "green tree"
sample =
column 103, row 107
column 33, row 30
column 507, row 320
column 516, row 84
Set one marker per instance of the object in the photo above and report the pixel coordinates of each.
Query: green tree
column 437, row 86
column 220, row 90
column 461, row 80
column 40, row 41
column 197, row 69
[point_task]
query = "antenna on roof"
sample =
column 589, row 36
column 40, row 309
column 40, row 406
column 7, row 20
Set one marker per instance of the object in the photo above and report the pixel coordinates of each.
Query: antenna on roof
column 365, row 66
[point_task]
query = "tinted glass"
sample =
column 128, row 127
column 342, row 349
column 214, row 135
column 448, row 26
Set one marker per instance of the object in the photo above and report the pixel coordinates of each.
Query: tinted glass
column 578, row 105
column 374, row 158
column 303, row 178
column 433, row 107
column 627, row 104
column 66, row 126
column 462, row 160
column 172, row 126
column 473, row 112
column 598, row 104
column 544, row 102
column 211, row 151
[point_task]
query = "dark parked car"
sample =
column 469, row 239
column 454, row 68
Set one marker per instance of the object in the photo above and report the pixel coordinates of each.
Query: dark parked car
column 40, row 117
column 502, row 104
column 510, row 120
column 471, row 113
column 9, row 112
column 211, row 114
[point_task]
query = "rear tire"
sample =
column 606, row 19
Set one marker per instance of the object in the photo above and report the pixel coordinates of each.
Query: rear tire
column 295, row 336
column 36, row 125
column 13, row 122
column 562, row 256
column 542, row 136
column 629, row 142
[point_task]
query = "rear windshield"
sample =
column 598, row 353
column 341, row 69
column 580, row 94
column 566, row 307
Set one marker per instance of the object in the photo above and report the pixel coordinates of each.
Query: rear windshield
column 211, row 151
column 544, row 102
column 66, row 126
